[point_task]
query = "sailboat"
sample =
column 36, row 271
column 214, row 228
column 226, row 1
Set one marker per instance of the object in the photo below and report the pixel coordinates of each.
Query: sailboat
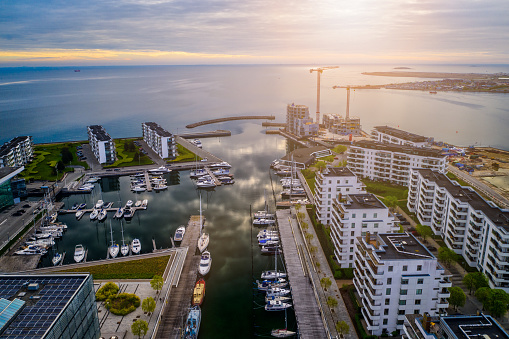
column 124, row 249
column 275, row 274
column 283, row 332
column 203, row 240
column 113, row 249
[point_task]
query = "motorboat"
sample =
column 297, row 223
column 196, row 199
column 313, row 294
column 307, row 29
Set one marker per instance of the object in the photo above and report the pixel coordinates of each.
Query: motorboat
column 43, row 235
column 264, row 285
column 93, row 180
column 86, row 187
column 56, row 259
column 266, row 232
column 99, row 204
column 144, row 203
column 193, row 323
column 136, row 246
column 74, row 207
column 119, row 213
column 223, row 164
column 94, row 214
column 79, row 214
column 270, row 250
column 42, row 243
column 205, row 184
column 159, row 170
column 108, row 204
column 137, row 203
column 160, row 187
column 221, row 171
column 113, row 250
column 31, row 250
column 282, row 333
column 277, row 306
column 197, row 172
column 203, row 241
column 197, row 143
column 199, row 292
column 138, row 189
column 128, row 213
column 263, row 215
column 53, row 217
column 79, row 253
column 277, row 291
column 268, row 242
column 205, row 263
column 226, row 180
column 284, row 173
column 293, row 192
column 275, row 298
column 273, row 274
column 102, row 214
column 179, row 234
column 82, row 206
column 263, row 221
column 129, row 203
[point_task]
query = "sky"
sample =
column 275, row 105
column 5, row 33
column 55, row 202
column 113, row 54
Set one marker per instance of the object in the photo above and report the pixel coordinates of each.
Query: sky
column 148, row 32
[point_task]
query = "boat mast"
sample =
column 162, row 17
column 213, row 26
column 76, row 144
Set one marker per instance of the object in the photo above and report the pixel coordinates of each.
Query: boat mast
column 111, row 232
column 201, row 220
column 122, row 229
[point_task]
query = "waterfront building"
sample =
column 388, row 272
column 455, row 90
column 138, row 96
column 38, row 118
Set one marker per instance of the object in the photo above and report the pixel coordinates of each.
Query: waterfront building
column 48, row 306
column 354, row 216
column 8, row 195
column 391, row 135
column 386, row 162
column 159, row 140
column 419, row 326
column 396, row 275
column 334, row 183
column 17, row 152
column 102, row 144
column 304, row 157
column 294, row 112
column 305, row 127
column 472, row 227
column 336, row 124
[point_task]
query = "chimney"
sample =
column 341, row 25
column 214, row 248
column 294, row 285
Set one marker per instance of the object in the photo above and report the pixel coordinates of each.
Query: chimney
column 368, row 237
column 426, row 322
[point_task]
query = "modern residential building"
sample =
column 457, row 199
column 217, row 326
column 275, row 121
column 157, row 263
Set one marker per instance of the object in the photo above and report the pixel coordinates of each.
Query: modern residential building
column 17, row 152
column 391, row 135
column 8, row 196
column 396, row 275
column 48, row 306
column 337, row 124
column 419, row 326
column 305, row 127
column 160, row 140
column 475, row 228
column 356, row 215
column 294, row 112
column 384, row 162
column 332, row 183
column 102, row 144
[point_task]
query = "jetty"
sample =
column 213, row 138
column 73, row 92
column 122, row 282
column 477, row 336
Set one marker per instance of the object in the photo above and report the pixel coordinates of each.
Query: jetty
column 148, row 182
column 177, row 305
column 210, row 134
column 273, row 124
column 214, row 121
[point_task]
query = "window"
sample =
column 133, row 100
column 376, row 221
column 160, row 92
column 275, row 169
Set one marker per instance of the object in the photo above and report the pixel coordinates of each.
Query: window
column 389, row 281
column 353, row 215
column 400, row 322
column 417, row 301
column 416, row 312
column 405, row 268
column 351, row 249
column 363, row 233
column 403, row 292
column 328, row 195
column 420, row 281
column 375, row 225
column 386, row 311
column 404, row 281
column 388, row 291
column 346, row 181
column 387, row 301
column 352, row 234
column 353, row 225
column 391, row 268
column 364, row 225
column 374, row 215
column 385, row 321
column 418, row 291
column 419, row 267
column 364, row 215
column 352, row 241
column 401, row 312
column 347, row 189
column 402, row 302
column 351, row 258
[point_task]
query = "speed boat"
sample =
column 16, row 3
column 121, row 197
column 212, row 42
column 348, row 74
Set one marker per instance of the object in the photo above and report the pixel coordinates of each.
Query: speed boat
column 179, row 234
column 56, row 259
column 79, row 253
column 205, row 263
column 136, row 246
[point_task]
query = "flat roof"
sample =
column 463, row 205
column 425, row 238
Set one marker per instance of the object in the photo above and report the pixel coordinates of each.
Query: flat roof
column 100, row 133
column 304, row 155
column 474, row 326
column 398, row 246
column 496, row 215
column 400, row 134
column 158, row 129
column 6, row 147
column 338, row 172
column 41, row 306
column 424, row 152
column 7, row 173
column 362, row 201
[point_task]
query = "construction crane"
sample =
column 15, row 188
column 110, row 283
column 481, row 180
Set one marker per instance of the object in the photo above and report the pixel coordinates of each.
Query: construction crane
column 347, row 115
column 318, row 72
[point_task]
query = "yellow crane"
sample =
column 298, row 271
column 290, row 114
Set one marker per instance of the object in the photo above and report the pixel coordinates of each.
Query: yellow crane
column 318, row 72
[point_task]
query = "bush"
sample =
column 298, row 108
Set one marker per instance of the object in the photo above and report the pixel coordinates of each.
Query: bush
column 338, row 274
column 123, row 303
column 108, row 290
column 359, row 327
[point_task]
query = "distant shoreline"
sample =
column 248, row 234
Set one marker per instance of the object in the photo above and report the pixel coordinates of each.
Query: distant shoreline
column 434, row 75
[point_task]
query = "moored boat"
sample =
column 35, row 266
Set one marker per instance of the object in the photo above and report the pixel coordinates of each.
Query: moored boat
column 144, row 203
column 199, row 292
column 113, row 250
column 94, row 214
column 193, row 323
column 179, row 234
column 203, row 242
column 205, row 263
column 79, row 253
column 119, row 213
column 56, row 259
column 79, row 214
column 277, row 305
column 102, row 214
column 282, row 333
column 99, row 204
column 136, row 246
column 273, row 274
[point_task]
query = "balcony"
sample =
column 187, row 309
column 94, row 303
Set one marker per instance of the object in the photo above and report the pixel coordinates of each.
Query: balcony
column 442, row 303
column 371, row 314
column 444, row 293
column 370, row 324
column 444, row 283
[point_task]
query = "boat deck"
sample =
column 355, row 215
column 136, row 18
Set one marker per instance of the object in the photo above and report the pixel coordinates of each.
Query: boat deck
column 179, row 301
column 307, row 311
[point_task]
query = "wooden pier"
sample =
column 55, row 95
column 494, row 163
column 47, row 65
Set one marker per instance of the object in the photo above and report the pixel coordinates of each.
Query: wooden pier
column 214, row 179
column 307, row 311
column 179, row 301
column 148, row 182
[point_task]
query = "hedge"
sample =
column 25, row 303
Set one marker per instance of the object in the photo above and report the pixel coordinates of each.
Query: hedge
column 123, row 303
column 107, row 291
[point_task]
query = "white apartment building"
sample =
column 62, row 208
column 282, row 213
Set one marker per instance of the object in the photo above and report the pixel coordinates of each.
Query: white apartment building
column 294, row 112
column 354, row 216
column 160, row 140
column 391, row 135
column 332, row 183
column 102, row 144
column 336, row 124
column 17, row 152
column 476, row 229
column 396, row 275
column 384, row 162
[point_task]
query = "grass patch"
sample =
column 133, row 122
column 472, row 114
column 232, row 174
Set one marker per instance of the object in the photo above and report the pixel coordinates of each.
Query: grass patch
column 135, row 269
column 451, row 176
column 184, row 155
column 46, row 156
column 386, row 189
column 126, row 158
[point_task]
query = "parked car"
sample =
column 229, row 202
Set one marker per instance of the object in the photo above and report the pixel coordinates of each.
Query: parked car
column 432, row 248
column 117, row 169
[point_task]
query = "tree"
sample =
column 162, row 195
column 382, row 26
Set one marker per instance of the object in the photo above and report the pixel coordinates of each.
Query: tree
column 139, row 328
column 157, row 282
column 468, row 281
column 342, row 328
column 301, row 216
column 391, row 201
column 482, row 294
column 446, row 255
column 475, row 280
column 457, row 297
column 309, row 236
column 497, row 302
column 495, row 166
column 332, row 302
column 424, row 231
column 148, row 305
column 325, row 282
column 297, row 206
column 67, row 156
column 137, row 156
column 304, row 225
column 320, row 164
column 339, row 149
column 60, row 166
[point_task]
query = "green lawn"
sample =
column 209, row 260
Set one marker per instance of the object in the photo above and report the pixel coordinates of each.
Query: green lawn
column 46, row 157
column 184, row 155
column 135, row 269
column 386, row 189
column 126, row 158
column 451, row 176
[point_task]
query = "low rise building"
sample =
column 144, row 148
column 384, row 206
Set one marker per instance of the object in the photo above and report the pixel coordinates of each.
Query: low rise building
column 396, row 275
column 48, row 306
column 392, row 163
column 333, row 183
column 476, row 229
column 356, row 215
column 391, row 135
column 304, row 157
column 159, row 140
column 102, row 144
column 17, row 152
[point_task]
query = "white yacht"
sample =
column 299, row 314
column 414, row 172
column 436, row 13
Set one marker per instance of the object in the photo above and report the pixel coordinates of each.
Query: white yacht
column 119, row 213
column 273, row 274
column 138, row 189
column 113, row 249
column 137, row 203
column 197, row 143
column 276, row 305
column 205, row 263
column 56, row 259
column 264, row 221
column 203, row 241
column 94, row 214
column 159, row 187
column 136, row 246
column 179, row 234
column 223, row 164
column 102, row 214
column 79, row 214
column 79, row 253
column 205, row 184
column 99, row 204
column 129, row 203
column 144, row 203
